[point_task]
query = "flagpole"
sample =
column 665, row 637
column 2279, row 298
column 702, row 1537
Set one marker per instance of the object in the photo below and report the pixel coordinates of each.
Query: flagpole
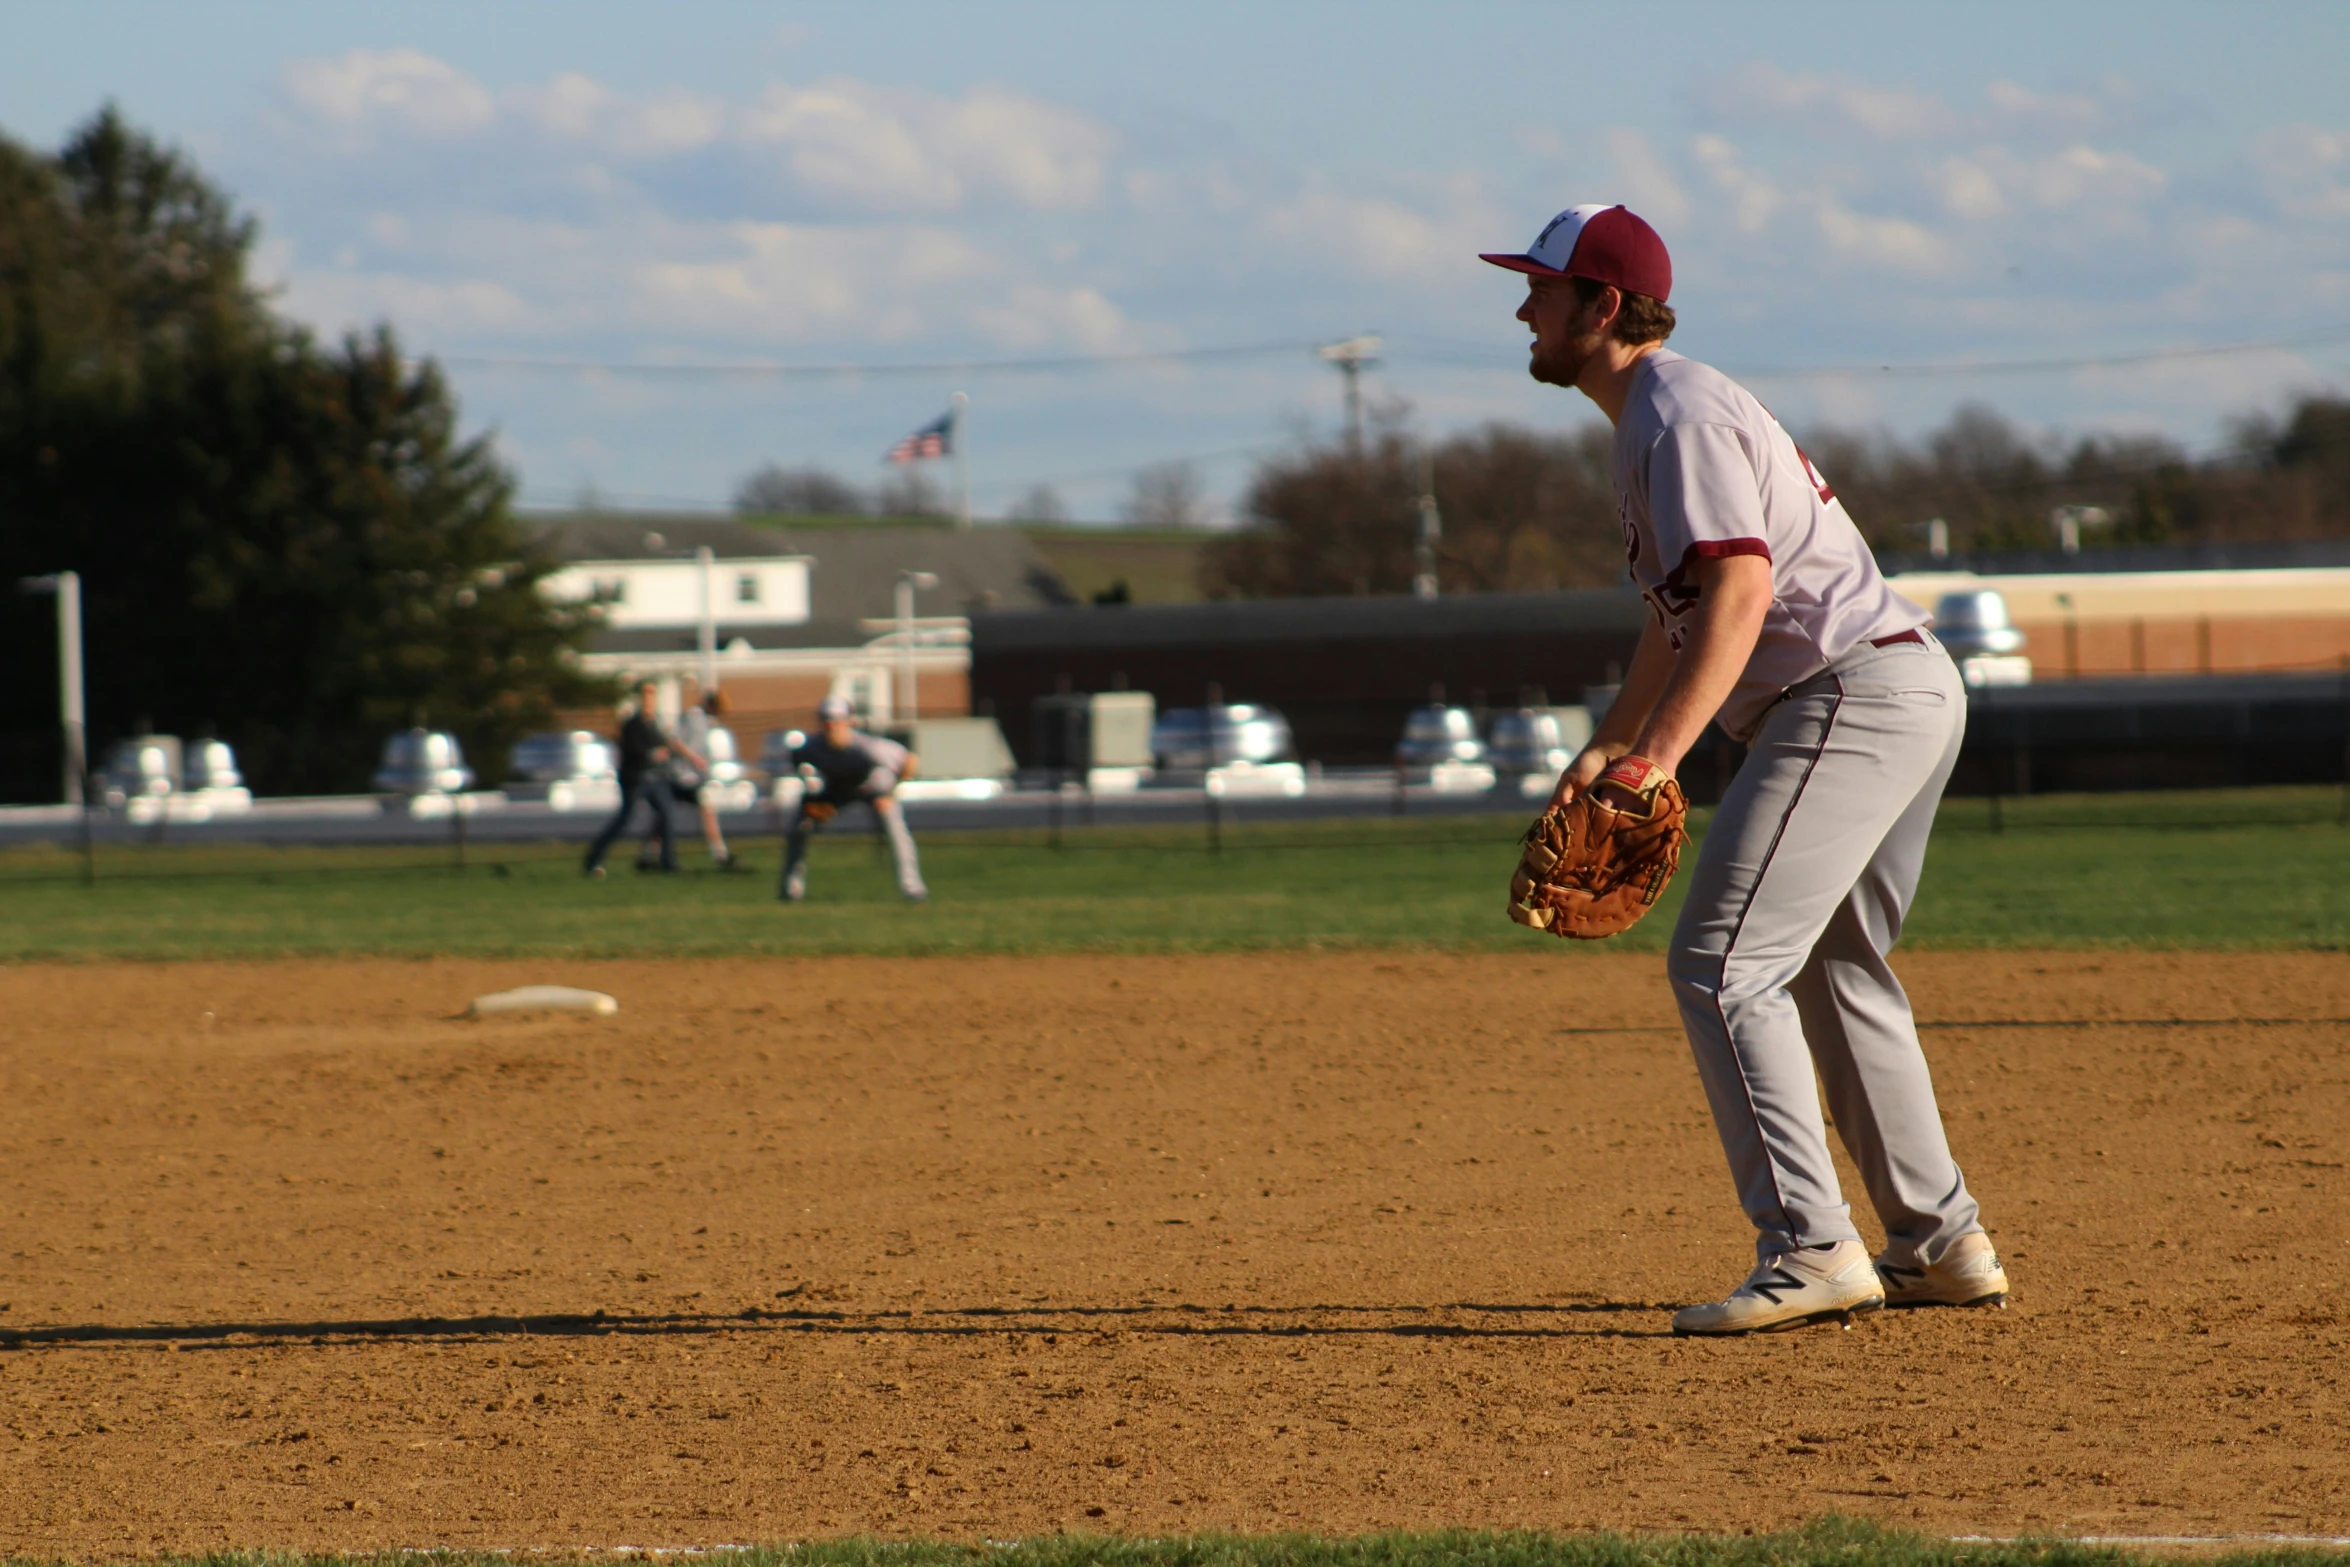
column 962, row 469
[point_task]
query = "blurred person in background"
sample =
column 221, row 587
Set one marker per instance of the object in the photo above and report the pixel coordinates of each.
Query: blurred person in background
column 690, row 768
column 644, row 751
column 840, row 764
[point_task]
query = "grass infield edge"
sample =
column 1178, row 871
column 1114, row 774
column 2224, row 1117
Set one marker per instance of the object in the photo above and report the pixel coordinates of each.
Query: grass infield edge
column 1832, row 1541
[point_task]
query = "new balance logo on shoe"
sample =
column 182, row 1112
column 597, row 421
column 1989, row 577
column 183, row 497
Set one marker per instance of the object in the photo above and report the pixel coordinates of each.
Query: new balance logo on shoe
column 1832, row 1283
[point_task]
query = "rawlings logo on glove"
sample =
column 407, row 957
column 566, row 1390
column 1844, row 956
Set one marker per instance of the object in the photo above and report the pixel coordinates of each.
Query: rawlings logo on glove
column 1591, row 868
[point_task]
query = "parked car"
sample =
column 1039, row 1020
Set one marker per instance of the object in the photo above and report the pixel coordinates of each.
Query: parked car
column 210, row 764
column 1193, row 739
column 1976, row 623
column 422, row 761
column 142, row 768
column 1435, row 735
column 1529, row 740
column 558, row 756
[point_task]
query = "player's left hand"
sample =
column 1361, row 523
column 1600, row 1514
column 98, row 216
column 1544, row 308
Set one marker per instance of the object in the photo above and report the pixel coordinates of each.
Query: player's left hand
column 1587, row 765
column 1592, row 867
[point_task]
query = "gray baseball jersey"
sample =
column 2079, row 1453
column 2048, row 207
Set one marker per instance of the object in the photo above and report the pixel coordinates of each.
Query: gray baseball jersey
column 1703, row 470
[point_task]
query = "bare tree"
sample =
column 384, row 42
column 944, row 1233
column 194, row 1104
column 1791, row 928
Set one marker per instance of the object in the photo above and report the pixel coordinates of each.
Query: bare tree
column 1523, row 511
column 797, row 492
column 1167, row 495
column 1041, row 503
column 908, row 493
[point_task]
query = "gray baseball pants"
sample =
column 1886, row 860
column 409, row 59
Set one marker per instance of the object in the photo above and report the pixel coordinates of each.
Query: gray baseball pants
column 901, row 848
column 1779, row 959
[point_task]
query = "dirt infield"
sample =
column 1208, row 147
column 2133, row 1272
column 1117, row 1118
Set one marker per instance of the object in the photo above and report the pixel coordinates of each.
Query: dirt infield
column 992, row 1247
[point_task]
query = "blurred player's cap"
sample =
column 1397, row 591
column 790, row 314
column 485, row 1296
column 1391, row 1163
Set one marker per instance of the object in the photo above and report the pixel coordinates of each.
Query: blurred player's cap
column 833, row 707
column 1604, row 244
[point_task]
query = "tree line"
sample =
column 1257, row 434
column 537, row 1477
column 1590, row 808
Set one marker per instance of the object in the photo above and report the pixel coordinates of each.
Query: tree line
column 1525, row 510
column 283, row 542
column 1165, row 495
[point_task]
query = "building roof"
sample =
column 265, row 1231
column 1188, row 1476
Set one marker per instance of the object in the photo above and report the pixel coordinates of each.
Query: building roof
column 2243, row 556
column 1250, row 621
column 818, row 633
column 855, row 566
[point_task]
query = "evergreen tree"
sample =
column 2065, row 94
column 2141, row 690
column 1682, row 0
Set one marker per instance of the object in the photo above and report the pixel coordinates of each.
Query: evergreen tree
column 289, row 545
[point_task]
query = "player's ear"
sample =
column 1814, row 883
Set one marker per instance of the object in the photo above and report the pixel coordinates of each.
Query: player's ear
column 1606, row 306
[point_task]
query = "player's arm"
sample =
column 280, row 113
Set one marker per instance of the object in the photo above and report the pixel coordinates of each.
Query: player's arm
column 1644, row 682
column 1734, row 594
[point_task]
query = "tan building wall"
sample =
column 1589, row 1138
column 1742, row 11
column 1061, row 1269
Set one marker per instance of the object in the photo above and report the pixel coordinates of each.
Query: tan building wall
column 2166, row 622
column 779, row 689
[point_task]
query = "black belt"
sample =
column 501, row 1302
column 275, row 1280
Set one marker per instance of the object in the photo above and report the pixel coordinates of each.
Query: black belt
column 1898, row 636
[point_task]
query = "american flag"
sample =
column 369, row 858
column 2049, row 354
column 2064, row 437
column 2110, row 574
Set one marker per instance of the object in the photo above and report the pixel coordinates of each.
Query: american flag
column 934, row 439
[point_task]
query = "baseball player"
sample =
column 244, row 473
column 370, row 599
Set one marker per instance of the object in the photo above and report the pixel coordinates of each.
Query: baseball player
column 644, row 775
column 839, row 764
column 1768, row 614
column 693, row 773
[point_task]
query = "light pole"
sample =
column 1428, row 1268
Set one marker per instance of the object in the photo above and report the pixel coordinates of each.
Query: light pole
column 1431, row 529
column 908, row 582
column 66, row 586
column 1352, row 358
column 957, row 407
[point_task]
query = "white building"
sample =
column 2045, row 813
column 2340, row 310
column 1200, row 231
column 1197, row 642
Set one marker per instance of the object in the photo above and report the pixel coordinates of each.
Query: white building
column 794, row 614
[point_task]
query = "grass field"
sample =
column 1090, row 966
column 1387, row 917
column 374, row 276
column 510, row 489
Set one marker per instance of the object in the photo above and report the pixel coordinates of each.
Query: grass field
column 1830, row 1543
column 2259, row 868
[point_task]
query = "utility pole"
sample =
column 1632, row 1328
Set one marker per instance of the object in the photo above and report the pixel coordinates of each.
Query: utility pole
column 1431, row 529
column 1352, row 358
column 706, row 558
column 908, row 582
column 66, row 588
column 960, row 406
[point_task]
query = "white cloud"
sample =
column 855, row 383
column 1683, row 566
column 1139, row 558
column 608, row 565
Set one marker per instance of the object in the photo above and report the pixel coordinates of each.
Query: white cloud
column 1878, row 241
column 423, row 308
column 2306, row 171
column 2081, row 182
column 892, row 150
column 1380, row 236
column 1752, row 197
column 750, row 284
column 2072, row 114
column 1648, row 179
column 579, row 108
column 869, row 147
column 1969, row 190
column 391, row 89
column 1763, row 94
column 1044, row 156
column 838, row 141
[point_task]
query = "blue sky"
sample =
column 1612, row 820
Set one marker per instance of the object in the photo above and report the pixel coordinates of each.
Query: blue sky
column 1841, row 185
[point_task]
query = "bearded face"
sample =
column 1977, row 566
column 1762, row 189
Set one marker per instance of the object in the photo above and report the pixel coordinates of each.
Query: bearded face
column 1567, row 331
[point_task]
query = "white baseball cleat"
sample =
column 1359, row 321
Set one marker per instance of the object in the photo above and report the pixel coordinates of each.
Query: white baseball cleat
column 1831, row 1283
column 1968, row 1274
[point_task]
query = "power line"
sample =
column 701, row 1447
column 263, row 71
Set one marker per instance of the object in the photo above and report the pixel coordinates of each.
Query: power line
column 2333, row 334
column 2312, row 338
column 1482, row 356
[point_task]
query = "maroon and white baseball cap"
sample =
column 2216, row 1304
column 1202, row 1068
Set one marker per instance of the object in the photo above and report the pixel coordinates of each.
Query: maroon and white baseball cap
column 1604, row 244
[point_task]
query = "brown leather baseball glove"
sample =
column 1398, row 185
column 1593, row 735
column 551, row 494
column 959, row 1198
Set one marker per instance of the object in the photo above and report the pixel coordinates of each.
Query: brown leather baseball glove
column 819, row 810
column 1590, row 869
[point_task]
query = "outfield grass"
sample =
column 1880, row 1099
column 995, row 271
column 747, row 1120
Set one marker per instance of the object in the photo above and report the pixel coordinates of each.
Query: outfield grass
column 1829, row 1543
column 2263, row 868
